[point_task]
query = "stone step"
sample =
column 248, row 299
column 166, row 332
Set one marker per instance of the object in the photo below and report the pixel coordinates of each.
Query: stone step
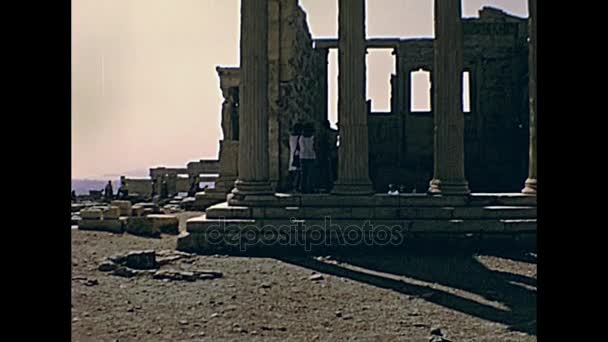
column 385, row 200
column 223, row 210
column 203, row 236
column 202, row 225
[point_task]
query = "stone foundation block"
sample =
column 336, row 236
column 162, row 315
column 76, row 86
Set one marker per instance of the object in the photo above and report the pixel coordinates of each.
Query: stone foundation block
column 124, row 206
column 91, row 214
column 166, row 224
column 142, row 226
column 106, row 225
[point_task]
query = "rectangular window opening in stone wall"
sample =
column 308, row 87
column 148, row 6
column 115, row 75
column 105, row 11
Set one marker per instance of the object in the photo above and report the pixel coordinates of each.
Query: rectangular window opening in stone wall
column 381, row 64
column 420, row 91
column 466, row 92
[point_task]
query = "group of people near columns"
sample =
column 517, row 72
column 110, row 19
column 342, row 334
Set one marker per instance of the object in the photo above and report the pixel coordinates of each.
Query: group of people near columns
column 312, row 158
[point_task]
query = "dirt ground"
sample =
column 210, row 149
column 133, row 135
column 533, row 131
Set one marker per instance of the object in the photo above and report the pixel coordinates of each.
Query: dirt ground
column 360, row 298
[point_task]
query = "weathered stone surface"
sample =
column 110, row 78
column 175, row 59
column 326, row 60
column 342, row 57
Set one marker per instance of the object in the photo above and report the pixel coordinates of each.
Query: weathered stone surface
column 142, row 260
column 142, row 226
column 109, row 225
column 76, row 219
column 111, row 212
column 124, row 206
column 137, row 210
column 223, row 210
column 186, row 275
column 107, row 266
column 126, row 272
column 91, row 214
column 167, row 224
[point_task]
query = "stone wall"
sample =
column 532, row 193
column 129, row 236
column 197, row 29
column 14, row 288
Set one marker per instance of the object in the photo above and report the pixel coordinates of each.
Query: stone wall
column 496, row 129
column 207, row 166
column 138, row 186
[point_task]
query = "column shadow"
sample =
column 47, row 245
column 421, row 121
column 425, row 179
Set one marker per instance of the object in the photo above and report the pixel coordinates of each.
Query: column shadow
column 463, row 272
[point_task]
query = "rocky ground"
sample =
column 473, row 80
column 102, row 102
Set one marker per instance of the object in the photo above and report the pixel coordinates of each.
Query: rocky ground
column 327, row 298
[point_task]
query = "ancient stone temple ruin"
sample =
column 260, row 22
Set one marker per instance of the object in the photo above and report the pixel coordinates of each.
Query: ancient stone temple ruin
column 468, row 167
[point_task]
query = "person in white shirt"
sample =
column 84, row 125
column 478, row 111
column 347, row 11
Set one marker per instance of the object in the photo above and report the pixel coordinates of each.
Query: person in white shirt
column 308, row 157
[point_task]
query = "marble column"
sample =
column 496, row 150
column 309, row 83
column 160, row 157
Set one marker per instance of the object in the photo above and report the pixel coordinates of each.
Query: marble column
column 353, row 165
column 449, row 178
column 530, row 185
column 324, row 54
column 253, row 178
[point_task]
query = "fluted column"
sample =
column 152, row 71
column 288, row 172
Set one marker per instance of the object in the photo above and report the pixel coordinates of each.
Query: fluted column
column 449, row 178
column 353, row 167
column 530, row 186
column 253, row 116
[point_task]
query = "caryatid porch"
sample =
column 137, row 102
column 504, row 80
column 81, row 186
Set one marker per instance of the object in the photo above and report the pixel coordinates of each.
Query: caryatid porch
column 254, row 219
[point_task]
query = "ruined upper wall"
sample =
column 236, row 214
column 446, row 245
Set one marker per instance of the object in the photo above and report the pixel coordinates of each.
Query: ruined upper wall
column 297, row 79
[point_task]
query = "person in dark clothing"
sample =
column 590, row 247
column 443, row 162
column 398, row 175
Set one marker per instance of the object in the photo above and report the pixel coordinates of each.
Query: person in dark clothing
column 108, row 192
column 194, row 187
column 164, row 189
column 74, row 197
column 123, row 192
column 308, row 158
column 294, row 158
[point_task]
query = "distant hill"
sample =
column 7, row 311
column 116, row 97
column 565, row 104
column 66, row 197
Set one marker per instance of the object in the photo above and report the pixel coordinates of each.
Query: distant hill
column 82, row 186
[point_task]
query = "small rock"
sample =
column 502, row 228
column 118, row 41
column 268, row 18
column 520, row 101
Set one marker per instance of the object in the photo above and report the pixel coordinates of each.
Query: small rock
column 427, row 295
column 436, row 331
column 338, row 314
column 124, row 272
column 183, row 322
column 107, row 266
column 316, row 277
column 141, row 260
column 265, row 285
column 213, row 315
column 91, row 282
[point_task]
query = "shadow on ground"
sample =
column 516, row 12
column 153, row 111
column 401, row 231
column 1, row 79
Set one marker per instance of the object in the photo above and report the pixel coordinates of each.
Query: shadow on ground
column 411, row 273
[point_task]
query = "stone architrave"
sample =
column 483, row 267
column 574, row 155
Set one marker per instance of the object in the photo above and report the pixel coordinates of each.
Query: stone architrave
column 530, row 185
column 449, row 178
column 253, row 95
column 353, row 168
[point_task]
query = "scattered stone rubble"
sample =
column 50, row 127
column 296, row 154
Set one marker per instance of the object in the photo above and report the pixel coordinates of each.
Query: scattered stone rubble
column 149, row 262
column 142, row 219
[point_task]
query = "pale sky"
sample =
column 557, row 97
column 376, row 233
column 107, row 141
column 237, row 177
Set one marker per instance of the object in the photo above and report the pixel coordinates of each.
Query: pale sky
column 145, row 91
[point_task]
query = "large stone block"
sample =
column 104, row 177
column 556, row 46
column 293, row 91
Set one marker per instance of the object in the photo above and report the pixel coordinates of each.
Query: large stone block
column 413, row 213
column 106, row 225
column 111, row 213
column 495, row 212
column 137, row 210
column 223, row 210
column 124, row 206
column 91, row 214
column 142, row 226
column 167, row 224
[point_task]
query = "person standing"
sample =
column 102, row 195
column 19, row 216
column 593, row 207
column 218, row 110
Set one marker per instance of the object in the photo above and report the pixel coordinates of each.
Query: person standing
column 307, row 157
column 108, row 192
column 294, row 158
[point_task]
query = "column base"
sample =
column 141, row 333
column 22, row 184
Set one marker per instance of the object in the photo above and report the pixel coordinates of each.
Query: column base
column 530, row 186
column 438, row 187
column 353, row 189
column 251, row 188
